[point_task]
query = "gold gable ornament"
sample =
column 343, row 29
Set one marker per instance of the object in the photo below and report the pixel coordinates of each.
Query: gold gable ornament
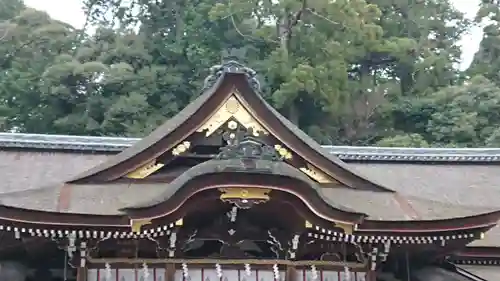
column 145, row 170
column 136, row 225
column 347, row 228
column 181, row 148
column 232, row 108
column 244, row 198
column 283, row 152
column 316, row 174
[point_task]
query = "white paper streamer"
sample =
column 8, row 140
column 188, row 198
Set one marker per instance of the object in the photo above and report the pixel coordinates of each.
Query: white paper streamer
column 218, row 270
column 107, row 267
column 314, row 272
column 248, row 270
column 276, row 271
column 185, row 270
column 145, row 271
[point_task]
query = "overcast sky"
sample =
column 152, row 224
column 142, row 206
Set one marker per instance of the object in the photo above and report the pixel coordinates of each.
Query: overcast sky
column 70, row 11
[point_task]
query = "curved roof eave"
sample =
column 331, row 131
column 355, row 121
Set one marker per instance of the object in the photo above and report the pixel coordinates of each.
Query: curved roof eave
column 211, row 169
column 484, row 220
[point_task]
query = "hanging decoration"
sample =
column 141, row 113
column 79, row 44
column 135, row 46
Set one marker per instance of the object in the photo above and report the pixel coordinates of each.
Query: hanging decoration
column 234, row 212
column 314, row 272
column 218, row 270
column 185, row 270
column 83, row 253
column 145, row 271
column 248, row 271
column 347, row 273
column 295, row 246
column 173, row 239
column 276, row 272
column 107, row 268
column 71, row 245
column 373, row 258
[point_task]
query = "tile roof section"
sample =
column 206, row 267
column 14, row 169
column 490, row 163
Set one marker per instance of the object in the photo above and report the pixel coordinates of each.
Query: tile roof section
column 65, row 142
column 114, row 145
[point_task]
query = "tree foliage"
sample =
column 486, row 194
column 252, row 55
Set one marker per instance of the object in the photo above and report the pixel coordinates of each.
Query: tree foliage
column 356, row 72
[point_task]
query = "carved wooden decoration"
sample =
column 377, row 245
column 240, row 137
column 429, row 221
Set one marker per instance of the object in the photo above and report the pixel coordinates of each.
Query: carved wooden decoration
column 244, row 197
column 145, row 170
column 308, row 224
column 181, row 148
column 232, row 108
column 283, row 152
column 244, row 145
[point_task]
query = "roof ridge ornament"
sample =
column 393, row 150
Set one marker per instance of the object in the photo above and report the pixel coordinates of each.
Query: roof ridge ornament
column 231, row 66
column 246, row 145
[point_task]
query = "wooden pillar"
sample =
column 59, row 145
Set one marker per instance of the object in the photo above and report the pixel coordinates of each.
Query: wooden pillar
column 291, row 273
column 81, row 274
column 169, row 272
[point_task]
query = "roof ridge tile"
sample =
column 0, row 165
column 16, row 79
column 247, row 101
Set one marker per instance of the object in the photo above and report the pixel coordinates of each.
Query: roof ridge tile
column 346, row 153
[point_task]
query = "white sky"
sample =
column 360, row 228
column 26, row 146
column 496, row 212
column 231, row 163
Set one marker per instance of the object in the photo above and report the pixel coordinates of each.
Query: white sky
column 70, row 11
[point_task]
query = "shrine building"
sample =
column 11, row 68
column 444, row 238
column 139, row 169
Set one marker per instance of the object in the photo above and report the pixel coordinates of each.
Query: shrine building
column 230, row 190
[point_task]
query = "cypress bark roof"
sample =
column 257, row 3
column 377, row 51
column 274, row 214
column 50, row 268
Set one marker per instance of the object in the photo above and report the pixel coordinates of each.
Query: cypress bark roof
column 431, row 189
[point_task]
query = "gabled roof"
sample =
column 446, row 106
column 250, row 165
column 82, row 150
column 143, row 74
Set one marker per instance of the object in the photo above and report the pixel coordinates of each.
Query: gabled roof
column 228, row 81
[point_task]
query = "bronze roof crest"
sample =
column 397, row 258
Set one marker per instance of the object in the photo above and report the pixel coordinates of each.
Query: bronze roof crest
column 232, row 66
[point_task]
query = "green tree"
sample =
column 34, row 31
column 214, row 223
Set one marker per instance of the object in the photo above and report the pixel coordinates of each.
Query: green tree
column 98, row 90
column 322, row 67
column 178, row 58
column 431, row 31
column 408, row 140
column 459, row 116
column 347, row 72
column 33, row 41
column 10, row 8
column 487, row 60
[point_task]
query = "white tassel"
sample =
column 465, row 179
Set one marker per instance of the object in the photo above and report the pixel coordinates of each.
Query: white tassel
column 276, row 272
column 185, row 270
column 248, row 271
column 218, row 270
column 314, row 272
column 108, row 271
column 145, row 271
